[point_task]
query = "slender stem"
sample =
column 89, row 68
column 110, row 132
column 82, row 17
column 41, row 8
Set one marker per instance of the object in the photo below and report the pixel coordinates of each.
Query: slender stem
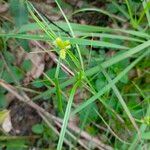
column 72, row 33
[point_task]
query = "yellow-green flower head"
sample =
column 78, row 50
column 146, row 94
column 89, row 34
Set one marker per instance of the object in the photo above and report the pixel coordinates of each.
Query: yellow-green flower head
column 59, row 43
column 62, row 54
column 63, row 46
column 146, row 120
column 67, row 44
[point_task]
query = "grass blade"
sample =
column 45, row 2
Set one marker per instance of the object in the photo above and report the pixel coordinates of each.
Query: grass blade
column 100, row 11
column 66, row 117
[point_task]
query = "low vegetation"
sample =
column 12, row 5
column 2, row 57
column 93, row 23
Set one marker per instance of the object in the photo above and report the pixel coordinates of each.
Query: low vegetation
column 75, row 74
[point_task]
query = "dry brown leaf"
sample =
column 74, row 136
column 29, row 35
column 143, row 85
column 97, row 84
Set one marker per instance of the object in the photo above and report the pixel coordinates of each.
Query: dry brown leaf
column 3, row 8
column 38, row 65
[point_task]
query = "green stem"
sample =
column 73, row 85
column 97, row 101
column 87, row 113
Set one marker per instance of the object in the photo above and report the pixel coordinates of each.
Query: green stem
column 67, row 115
column 58, row 90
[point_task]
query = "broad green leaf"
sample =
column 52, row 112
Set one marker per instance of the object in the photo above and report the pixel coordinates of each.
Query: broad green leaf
column 38, row 128
column 38, row 83
column 26, row 65
column 19, row 12
column 146, row 135
column 92, row 115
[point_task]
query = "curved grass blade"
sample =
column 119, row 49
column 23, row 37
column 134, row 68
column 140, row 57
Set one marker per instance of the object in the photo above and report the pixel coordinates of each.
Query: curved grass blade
column 100, row 11
column 78, row 41
column 84, row 28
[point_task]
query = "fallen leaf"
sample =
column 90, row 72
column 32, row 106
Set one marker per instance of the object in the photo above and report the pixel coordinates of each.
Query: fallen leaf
column 7, row 125
column 3, row 114
column 37, row 66
column 3, row 8
column 5, row 120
